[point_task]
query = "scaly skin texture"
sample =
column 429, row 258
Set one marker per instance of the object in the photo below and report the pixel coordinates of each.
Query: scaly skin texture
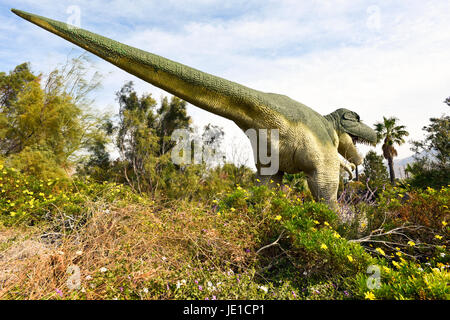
column 308, row 141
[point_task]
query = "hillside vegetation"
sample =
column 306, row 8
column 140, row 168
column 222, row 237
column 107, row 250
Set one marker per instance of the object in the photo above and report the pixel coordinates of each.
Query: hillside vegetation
column 75, row 224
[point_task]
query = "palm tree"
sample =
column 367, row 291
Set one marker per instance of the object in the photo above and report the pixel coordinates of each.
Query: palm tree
column 393, row 134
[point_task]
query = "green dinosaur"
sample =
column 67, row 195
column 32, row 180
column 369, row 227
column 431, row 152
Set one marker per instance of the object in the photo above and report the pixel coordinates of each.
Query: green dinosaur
column 308, row 141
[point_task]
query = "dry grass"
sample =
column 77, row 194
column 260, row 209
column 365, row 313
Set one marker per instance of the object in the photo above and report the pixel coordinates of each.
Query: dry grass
column 137, row 244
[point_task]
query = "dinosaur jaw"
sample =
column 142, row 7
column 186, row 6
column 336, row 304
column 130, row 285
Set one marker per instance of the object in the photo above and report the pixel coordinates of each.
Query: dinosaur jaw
column 360, row 140
column 347, row 148
column 360, row 133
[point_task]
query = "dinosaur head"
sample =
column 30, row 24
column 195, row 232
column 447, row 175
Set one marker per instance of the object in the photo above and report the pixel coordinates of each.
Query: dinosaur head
column 351, row 130
column 350, row 123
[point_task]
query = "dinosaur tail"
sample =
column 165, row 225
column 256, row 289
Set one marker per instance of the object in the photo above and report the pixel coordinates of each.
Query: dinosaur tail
column 217, row 95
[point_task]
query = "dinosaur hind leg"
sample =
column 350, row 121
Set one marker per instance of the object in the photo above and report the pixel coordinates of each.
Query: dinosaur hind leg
column 324, row 184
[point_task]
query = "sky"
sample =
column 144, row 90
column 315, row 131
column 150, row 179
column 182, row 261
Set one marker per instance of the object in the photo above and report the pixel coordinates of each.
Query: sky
column 378, row 58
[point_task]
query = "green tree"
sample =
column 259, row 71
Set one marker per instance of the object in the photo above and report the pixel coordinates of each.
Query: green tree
column 171, row 115
column 432, row 155
column 143, row 137
column 212, row 138
column 47, row 123
column 374, row 170
column 391, row 134
column 13, row 83
column 137, row 140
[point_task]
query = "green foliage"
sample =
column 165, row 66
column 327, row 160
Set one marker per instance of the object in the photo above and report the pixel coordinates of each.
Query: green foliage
column 60, row 202
column 406, row 281
column 143, row 137
column 432, row 155
column 391, row 134
column 375, row 172
column 297, row 181
column 43, row 127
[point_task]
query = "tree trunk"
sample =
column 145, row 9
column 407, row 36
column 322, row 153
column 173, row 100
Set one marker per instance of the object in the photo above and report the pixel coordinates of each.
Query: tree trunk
column 391, row 170
column 356, row 173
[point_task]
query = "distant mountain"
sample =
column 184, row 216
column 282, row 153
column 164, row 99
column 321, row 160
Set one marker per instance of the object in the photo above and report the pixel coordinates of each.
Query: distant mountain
column 400, row 166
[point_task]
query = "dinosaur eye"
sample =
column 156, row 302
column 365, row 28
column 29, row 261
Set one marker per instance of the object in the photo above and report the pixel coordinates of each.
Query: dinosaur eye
column 351, row 116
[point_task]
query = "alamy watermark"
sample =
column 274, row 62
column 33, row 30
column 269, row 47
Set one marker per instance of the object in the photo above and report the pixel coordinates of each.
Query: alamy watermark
column 374, row 280
column 74, row 19
column 189, row 150
column 373, row 21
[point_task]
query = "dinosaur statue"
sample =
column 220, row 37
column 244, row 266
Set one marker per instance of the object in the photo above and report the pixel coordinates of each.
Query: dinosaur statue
column 308, row 141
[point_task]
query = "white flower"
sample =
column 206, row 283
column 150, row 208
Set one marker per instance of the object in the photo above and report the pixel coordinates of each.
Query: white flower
column 210, row 286
column 442, row 254
column 420, row 269
column 103, row 269
column 180, row 283
column 88, row 278
column 106, row 211
column 263, row 288
column 164, row 258
column 60, row 252
column 79, row 253
column 145, row 290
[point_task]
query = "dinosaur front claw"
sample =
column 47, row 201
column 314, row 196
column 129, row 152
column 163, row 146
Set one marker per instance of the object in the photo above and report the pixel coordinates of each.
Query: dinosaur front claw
column 352, row 166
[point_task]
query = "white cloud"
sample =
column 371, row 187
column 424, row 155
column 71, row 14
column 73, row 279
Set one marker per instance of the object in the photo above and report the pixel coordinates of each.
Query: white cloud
column 320, row 52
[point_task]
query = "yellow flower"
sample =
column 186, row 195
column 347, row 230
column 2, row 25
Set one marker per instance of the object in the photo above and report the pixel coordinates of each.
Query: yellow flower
column 13, row 213
column 444, row 223
column 326, row 223
column 380, row 251
column 313, row 229
column 411, row 243
column 316, row 222
column 438, row 237
column 324, row 246
column 350, row 258
column 233, row 209
column 337, row 235
column 258, row 180
column 399, row 253
column 395, row 263
column 369, row 295
column 278, row 218
column 386, row 269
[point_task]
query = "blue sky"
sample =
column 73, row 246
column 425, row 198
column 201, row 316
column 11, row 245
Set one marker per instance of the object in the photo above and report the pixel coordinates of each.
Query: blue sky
column 378, row 58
